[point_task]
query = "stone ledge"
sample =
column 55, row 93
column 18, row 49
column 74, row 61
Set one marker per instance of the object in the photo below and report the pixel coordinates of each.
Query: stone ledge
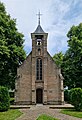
column 65, row 106
column 19, row 107
column 39, row 81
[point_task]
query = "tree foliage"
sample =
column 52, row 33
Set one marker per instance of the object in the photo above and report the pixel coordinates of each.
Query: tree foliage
column 72, row 62
column 58, row 58
column 11, row 49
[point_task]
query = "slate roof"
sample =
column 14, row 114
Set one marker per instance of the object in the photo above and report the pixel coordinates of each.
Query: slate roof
column 39, row 29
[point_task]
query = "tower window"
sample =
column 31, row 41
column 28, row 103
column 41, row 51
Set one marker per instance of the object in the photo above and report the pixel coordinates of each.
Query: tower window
column 39, row 69
column 39, row 42
column 39, row 39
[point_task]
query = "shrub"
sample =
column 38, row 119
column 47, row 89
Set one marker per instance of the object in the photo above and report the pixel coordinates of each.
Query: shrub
column 11, row 93
column 4, row 99
column 76, row 98
column 12, row 101
column 66, row 96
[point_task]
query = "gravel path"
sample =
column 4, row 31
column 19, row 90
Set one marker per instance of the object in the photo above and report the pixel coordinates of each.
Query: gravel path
column 35, row 111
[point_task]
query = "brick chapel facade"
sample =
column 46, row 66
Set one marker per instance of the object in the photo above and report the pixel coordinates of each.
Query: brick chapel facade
column 39, row 80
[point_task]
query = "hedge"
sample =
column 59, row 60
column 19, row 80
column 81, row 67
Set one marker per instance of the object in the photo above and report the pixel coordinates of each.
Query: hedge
column 4, row 99
column 76, row 98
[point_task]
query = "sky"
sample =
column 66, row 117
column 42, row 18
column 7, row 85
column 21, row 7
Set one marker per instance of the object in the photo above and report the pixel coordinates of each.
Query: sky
column 58, row 16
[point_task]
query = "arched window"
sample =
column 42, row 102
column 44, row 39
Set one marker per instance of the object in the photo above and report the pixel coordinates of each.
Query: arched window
column 39, row 69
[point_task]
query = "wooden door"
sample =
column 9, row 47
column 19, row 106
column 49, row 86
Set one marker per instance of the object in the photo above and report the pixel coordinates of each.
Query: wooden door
column 39, row 96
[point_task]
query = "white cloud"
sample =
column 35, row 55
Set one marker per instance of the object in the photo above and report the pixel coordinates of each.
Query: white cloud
column 58, row 16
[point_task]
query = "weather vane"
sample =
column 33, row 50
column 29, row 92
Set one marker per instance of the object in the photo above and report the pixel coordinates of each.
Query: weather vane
column 39, row 17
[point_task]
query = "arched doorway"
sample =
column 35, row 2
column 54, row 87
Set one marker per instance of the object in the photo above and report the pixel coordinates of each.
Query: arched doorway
column 39, row 96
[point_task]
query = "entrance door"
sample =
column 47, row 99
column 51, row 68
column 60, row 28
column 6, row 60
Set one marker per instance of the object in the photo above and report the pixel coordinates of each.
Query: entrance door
column 39, row 96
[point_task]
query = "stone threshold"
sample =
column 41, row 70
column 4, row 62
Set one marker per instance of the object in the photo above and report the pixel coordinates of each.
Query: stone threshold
column 65, row 106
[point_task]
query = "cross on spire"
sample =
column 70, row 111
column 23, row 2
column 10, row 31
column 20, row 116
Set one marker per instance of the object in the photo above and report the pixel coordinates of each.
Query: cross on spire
column 39, row 17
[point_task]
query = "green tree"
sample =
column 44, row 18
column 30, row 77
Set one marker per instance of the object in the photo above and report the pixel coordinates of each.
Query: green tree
column 72, row 62
column 58, row 58
column 11, row 49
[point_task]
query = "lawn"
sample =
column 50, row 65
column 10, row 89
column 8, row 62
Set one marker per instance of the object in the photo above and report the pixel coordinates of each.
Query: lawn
column 72, row 112
column 10, row 114
column 46, row 117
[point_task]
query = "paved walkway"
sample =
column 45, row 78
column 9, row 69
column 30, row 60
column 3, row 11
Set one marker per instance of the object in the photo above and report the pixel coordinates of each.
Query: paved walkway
column 35, row 111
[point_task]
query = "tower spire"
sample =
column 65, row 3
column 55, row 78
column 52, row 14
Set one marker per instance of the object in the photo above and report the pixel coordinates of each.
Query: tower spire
column 39, row 17
column 39, row 28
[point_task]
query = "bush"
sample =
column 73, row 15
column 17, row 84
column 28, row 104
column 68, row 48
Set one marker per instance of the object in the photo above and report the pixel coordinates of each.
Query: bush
column 4, row 99
column 76, row 98
column 11, row 93
column 12, row 101
column 66, row 96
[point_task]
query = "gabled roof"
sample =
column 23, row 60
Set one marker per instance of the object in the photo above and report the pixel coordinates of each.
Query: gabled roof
column 39, row 29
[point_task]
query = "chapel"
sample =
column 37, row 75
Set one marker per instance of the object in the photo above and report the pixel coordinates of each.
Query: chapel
column 39, row 79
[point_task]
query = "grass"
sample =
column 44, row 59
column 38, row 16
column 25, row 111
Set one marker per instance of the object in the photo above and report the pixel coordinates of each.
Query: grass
column 72, row 112
column 46, row 117
column 10, row 114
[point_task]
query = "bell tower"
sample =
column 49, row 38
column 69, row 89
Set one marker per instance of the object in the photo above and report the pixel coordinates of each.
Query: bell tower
column 39, row 40
column 39, row 63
